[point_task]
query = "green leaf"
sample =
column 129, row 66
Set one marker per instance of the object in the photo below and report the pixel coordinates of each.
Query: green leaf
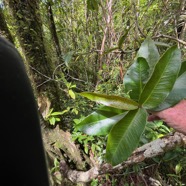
column 72, row 94
column 68, row 57
column 149, row 51
column 183, row 68
column 99, row 122
column 178, row 168
column 111, row 100
column 57, row 119
column 135, row 78
column 122, row 38
column 52, row 120
column 162, row 80
column 125, row 136
column 177, row 94
column 110, row 50
column 157, row 43
column 58, row 113
column 110, row 109
column 92, row 5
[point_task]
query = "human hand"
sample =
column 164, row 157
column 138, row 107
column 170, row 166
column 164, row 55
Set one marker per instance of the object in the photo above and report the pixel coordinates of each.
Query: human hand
column 174, row 117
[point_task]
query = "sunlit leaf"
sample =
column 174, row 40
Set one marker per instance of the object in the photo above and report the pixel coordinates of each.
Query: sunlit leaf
column 99, row 122
column 162, row 80
column 149, row 51
column 59, row 113
column 178, row 168
column 135, row 78
column 110, row 109
column 72, row 94
column 178, row 93
column 125, row 136
column 111, row 100
column 52, row 120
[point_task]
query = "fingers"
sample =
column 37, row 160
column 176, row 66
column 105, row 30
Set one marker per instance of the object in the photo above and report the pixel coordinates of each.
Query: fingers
column 174, row 117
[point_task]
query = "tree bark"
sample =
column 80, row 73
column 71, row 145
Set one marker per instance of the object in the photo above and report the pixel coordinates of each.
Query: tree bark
column 4, row 31
column 147, row 151
column 52, row 28
column 30, row 36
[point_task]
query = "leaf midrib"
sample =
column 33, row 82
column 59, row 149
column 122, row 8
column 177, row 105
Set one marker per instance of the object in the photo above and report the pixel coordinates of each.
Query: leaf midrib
column 157, row 82
column 120, row 141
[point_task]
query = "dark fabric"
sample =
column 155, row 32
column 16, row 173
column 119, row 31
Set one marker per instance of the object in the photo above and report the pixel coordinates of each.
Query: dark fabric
column 22, row 157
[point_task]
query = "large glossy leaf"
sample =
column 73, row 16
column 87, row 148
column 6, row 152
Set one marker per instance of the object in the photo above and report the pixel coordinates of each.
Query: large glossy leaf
column 135, row 78
column 162, row 80
column 149, row 51
column 110, row 109
column 111, row 100
column 178, row 93
column 183, row 68
column 100, row 122
column 125, row 135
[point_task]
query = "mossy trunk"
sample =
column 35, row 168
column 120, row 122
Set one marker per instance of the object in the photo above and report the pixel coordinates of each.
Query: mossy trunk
column 30, row 36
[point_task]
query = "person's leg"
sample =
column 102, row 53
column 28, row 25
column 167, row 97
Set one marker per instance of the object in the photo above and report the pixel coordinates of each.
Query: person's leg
column 22, row 156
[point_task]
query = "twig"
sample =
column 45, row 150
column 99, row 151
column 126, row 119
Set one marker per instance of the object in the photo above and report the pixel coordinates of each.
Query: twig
column 153, row 149
column 149, row 150
column 170, row 37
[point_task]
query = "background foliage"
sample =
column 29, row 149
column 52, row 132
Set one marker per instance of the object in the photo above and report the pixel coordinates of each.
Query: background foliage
column 87, row 45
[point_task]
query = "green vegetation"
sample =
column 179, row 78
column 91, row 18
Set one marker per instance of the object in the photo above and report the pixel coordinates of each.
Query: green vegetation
column 98, row 68
column 149, row 80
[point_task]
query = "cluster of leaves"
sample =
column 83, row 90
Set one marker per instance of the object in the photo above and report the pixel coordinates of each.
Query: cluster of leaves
column 54, row 117
column 91, row 144
column 153, row 83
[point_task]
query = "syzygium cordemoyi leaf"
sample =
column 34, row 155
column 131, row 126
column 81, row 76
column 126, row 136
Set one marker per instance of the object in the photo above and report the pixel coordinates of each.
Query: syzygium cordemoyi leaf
column 162, row 80
column 111, row 100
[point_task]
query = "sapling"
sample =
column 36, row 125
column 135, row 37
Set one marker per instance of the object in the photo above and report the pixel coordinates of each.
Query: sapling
column 153, row 82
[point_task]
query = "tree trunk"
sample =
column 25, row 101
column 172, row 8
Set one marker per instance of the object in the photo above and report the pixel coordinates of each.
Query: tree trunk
column 53, row 32
column 4, row 31
column 30, row 36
